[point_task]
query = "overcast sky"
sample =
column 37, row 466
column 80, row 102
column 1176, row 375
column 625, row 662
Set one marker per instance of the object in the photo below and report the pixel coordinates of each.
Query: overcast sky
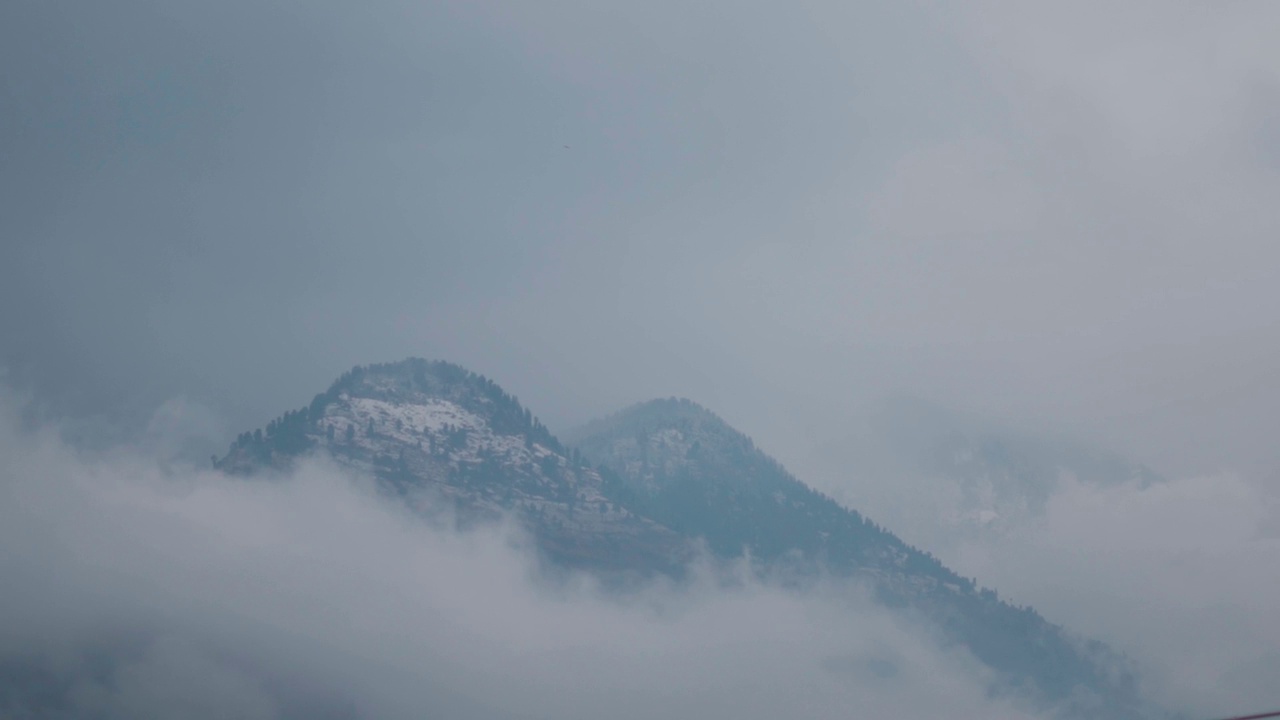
column 1060, row 215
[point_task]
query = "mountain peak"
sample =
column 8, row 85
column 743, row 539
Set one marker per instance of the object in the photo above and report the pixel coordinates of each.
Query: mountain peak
column 660, row 412
column 673, row 416
column 435, row 426
column 682, row 466
column 673, row 442
column 406, row 401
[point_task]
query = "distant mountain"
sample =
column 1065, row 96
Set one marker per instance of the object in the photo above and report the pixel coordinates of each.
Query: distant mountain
column 685, row 468
column 667, row 474
column 947, row 477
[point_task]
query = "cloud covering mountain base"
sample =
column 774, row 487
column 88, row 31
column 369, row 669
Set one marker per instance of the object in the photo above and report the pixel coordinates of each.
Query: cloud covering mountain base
column 134, row 590
column 1181, row 575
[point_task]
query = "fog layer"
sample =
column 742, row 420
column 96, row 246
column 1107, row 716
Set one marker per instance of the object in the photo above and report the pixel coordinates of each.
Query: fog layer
column 136, row 592
column 1183, row 576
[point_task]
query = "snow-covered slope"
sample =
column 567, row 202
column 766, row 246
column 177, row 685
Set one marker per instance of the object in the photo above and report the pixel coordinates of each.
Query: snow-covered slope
column 434, row 427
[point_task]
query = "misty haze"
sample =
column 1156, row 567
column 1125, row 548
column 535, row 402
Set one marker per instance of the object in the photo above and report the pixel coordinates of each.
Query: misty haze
column 567, row 359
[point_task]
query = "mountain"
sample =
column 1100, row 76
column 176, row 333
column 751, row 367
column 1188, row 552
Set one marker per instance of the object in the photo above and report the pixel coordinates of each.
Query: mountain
column 424, row 426
column 642, row 487
column 685, row 468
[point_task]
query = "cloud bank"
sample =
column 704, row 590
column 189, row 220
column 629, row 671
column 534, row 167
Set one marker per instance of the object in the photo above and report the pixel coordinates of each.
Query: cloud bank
column 1181, row 575
column 136, row 590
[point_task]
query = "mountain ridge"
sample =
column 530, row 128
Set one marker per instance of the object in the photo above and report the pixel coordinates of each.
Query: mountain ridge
column 668, row 447
column 640, row 487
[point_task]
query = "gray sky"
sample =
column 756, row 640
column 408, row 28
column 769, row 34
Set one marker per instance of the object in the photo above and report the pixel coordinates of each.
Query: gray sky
column 1063, row 215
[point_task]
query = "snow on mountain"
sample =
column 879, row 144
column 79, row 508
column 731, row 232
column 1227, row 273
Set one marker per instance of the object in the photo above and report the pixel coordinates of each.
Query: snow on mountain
column 433, row 427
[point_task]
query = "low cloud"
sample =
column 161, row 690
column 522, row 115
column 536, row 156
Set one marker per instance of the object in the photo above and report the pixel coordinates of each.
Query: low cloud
column 1183, row 576
column 134, row 590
